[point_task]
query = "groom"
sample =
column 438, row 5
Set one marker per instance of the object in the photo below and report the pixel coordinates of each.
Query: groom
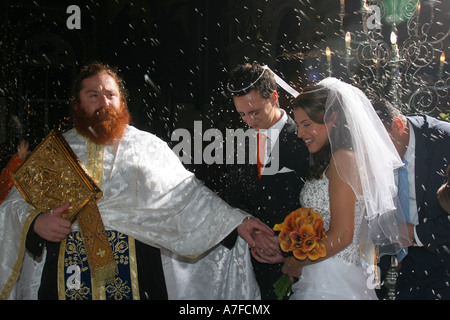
column 269, row 191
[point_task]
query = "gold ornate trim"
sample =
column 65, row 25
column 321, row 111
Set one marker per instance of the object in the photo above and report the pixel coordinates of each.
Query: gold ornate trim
column 94, row 165
column 9, row 285
column 60, row 271
column 133, row 268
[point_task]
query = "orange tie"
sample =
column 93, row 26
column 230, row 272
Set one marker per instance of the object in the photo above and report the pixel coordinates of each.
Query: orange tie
column 261, row 143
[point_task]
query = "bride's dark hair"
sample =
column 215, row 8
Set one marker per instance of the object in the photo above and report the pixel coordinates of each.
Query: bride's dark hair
column 313, row 101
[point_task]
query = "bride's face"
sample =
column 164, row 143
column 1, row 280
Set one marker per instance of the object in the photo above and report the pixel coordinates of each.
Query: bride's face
column 313, row 134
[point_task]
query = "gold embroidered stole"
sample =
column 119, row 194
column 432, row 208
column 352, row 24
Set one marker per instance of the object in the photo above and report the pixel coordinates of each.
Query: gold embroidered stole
column 98, row 249
column 94, row 165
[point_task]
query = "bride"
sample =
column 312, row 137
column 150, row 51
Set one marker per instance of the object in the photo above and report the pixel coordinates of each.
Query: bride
column 351, row 185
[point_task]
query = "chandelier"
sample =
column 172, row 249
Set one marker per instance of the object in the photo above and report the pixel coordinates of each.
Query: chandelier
column 397, row 51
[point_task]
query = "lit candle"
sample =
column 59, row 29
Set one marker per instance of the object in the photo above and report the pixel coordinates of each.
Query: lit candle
column 441, row 64
column 342, row 2
column 328, row 53
column 348, row 40
column 393, row 38
column 394, row 43
column 417, row 17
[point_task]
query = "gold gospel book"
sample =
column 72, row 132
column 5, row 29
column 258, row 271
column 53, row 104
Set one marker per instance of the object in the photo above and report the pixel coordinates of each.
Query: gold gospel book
column 52, row 175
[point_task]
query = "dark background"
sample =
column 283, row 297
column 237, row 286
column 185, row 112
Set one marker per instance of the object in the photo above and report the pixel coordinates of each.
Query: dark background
column 184, row 47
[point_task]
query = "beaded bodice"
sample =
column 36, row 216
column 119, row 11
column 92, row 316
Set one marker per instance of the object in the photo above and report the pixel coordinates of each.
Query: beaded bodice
column 314, row 195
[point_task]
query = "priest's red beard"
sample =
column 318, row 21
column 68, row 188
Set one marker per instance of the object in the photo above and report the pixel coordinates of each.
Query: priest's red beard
column 105, row 126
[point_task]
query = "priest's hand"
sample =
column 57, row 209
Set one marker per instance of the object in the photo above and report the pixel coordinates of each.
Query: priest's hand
column 51, row 226
column 250, row 225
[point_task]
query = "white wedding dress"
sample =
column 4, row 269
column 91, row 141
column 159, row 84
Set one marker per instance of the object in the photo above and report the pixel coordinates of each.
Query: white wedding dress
column 342, row 276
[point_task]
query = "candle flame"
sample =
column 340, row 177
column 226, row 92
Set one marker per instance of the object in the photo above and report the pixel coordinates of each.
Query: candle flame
column 393, row 38
column 348, row 38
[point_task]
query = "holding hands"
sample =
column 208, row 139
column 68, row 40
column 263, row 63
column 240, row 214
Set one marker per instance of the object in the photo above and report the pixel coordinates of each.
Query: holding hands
column 266, row 249
column 262, row 241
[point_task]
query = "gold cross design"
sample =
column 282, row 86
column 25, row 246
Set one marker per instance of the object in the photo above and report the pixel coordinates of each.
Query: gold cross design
column 89, row 218
column 100, row 252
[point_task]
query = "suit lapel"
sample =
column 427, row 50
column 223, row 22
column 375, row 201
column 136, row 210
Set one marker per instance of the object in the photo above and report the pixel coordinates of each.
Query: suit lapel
column 280, row 147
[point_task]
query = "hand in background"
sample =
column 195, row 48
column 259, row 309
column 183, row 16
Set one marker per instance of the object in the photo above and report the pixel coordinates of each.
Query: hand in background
column 23, row 149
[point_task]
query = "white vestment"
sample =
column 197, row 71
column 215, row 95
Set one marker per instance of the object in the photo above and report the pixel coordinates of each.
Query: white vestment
column 150, row 196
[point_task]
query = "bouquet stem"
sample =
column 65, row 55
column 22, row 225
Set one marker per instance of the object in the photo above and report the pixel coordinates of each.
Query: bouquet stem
column 283, row 287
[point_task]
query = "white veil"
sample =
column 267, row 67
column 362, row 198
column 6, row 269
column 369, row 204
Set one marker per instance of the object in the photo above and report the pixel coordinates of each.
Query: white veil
column 358, row 128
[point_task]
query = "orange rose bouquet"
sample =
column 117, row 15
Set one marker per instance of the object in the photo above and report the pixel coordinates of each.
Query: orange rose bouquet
column 300, row 235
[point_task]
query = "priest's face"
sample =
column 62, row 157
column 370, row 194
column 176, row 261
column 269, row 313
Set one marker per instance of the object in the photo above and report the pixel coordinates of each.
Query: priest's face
column 100, row 113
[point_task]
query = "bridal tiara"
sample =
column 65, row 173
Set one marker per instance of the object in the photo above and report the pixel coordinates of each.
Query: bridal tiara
column 278, row 80
column 251, row 84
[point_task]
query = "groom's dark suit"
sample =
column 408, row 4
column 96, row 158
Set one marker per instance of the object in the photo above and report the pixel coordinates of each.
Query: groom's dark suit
column 425, row 271
column 274, row 196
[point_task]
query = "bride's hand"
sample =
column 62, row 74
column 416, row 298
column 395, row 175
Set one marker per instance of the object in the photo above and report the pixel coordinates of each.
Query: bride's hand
column 292, row 267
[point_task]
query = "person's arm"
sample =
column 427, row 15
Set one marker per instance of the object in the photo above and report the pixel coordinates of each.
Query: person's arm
column 6, row 181
column 34, row 243
column 230, row 240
